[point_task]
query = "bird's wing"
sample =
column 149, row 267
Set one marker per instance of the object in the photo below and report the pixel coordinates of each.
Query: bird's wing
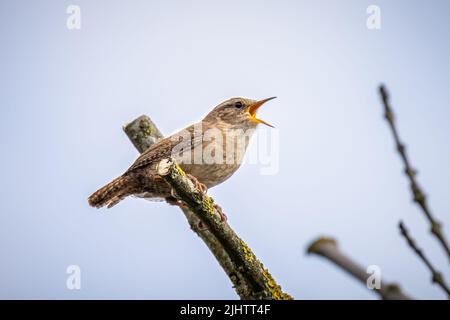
column 152, row 154
column 163, row 149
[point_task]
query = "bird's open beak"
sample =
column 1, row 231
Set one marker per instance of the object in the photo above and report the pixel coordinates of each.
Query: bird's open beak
column 255, row 106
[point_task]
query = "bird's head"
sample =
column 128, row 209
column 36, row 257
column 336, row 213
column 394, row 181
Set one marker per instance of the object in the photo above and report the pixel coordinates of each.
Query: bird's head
column 238, row 112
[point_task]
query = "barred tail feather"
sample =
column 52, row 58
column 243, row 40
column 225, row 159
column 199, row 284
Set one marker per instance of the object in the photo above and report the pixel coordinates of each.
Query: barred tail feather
column 113, row 192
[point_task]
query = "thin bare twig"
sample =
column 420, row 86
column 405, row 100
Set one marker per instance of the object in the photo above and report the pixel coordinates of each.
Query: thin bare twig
column 418, row 195
column 437, row 277
column 248, row 275
column 328, row 248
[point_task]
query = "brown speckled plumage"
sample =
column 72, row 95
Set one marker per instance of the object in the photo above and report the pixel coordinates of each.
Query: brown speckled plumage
column 141, row 177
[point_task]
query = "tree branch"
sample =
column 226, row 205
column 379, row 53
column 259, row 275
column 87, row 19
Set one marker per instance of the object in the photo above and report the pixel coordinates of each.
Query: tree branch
column 418, row 194
column 437, row 277
column 328, row 248
column 248, row 275
column 142, row 132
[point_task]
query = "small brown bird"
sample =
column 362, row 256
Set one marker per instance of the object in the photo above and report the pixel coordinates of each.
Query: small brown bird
column 207, row 151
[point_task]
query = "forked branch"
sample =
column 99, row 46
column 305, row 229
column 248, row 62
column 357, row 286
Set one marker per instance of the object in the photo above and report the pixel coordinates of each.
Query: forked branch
column 437, row 277
column 418, row 194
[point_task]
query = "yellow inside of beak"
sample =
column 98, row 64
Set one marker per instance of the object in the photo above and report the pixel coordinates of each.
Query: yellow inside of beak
column 255, row 106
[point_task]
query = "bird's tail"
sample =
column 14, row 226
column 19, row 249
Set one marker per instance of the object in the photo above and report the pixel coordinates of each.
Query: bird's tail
column 113, row 192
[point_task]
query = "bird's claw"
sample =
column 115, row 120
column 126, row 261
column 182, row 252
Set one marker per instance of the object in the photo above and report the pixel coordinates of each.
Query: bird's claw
column 197, row 184
column 203, row 189
column 222, row 215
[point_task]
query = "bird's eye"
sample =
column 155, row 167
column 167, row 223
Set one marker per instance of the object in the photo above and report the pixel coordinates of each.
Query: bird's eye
column 238, row 105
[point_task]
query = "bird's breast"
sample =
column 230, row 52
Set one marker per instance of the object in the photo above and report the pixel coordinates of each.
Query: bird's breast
column 218, row 155
column 214, row 162
column 211, row 174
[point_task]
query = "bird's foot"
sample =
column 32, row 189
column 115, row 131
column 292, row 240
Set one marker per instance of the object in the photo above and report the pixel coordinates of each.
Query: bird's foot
column 197, row 184
column 222, row 215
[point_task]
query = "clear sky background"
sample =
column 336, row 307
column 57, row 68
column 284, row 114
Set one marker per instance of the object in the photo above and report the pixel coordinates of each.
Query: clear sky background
column 64, row 96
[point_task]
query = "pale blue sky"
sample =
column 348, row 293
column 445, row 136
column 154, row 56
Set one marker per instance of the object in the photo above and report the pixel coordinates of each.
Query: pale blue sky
column 66, row 94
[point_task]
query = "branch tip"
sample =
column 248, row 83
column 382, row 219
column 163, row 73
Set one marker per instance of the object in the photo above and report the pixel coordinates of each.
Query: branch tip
column 317, row 245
